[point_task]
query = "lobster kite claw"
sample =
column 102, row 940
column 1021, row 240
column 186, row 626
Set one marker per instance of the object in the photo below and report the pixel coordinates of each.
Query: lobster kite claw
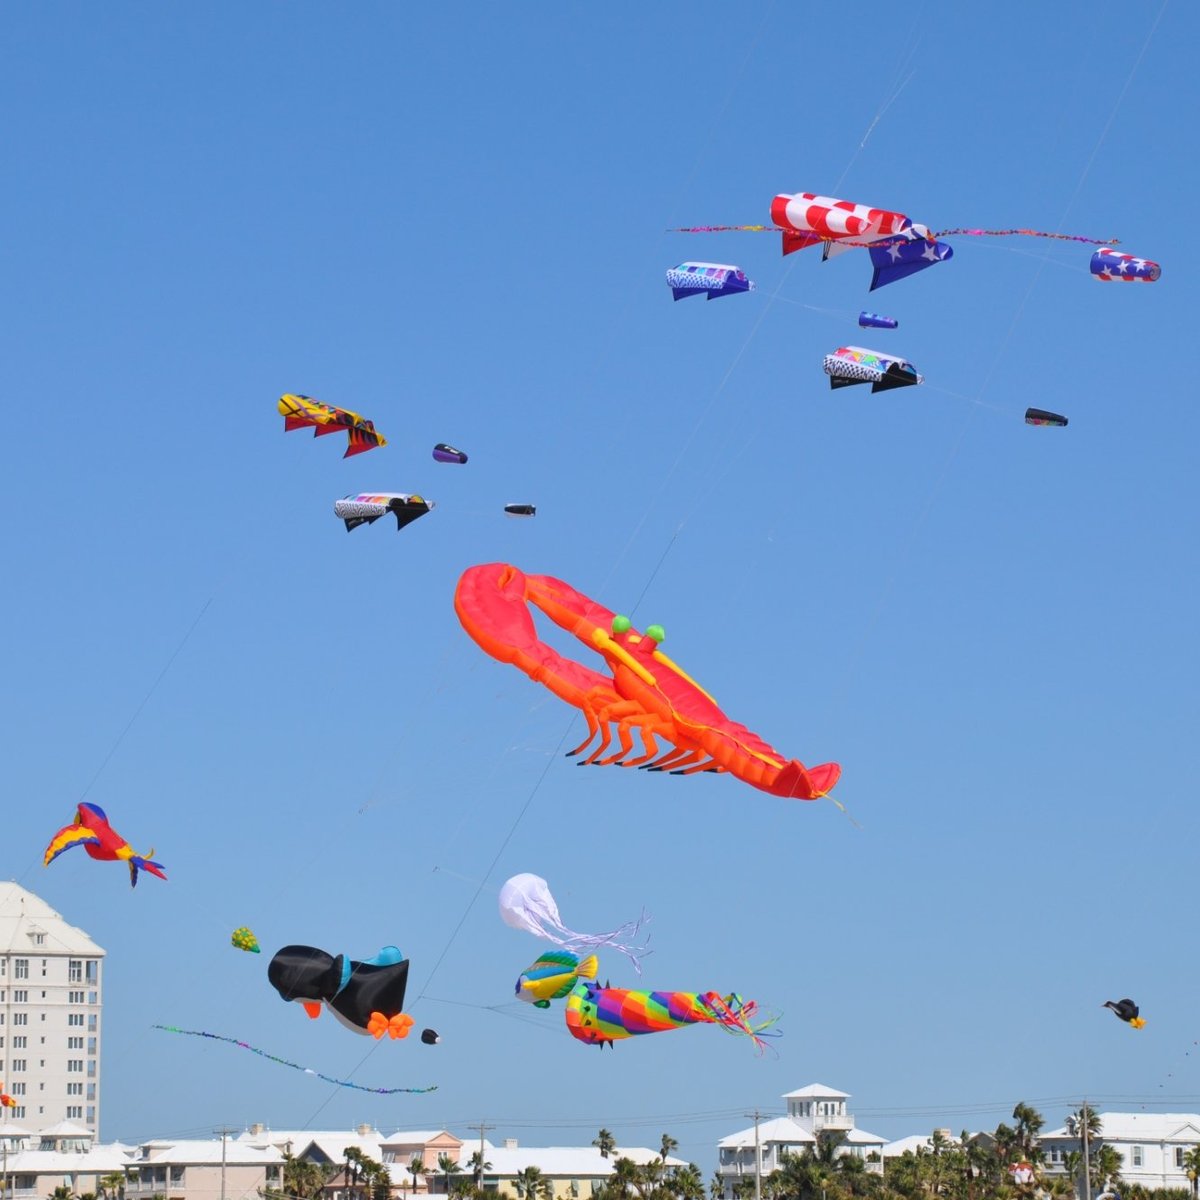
column 645, row 692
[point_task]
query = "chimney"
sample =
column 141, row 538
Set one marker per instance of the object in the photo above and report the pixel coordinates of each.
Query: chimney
column 257, row 1130
column 945, row 1133
column 510, row 1143
column 365, row 1130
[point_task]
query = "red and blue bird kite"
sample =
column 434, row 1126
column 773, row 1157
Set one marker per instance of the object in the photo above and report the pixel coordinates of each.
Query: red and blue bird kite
column 92, row 831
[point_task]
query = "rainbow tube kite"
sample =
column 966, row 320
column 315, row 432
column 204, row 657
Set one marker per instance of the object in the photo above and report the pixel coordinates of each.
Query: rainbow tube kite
column 603, row 1015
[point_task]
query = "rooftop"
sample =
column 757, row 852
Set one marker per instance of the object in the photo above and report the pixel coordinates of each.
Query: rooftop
column 24, row 917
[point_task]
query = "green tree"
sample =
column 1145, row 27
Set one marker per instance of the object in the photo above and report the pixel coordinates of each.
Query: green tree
column 668, row 1145
column 1029, row 1125
column 1106, row 1166
column 531, row 1184
column 686, row 1182
column 478, row 1165
column 448, row 1167
column 62, row 1193
column 627, row 1178
column 1191, row 1164
column 417, row 1169
column 111, row 1186
column 605, row 1143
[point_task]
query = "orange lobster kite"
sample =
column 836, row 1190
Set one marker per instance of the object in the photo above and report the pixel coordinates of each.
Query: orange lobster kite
column 647, row 691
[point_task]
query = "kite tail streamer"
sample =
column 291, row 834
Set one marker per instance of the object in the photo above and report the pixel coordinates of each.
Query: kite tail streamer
column 736, row 1016
column 283, row 1062
column 615, row 940
column 1062, row 237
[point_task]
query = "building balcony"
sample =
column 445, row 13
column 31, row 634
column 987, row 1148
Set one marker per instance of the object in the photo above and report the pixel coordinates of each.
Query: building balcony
column 837, row 1124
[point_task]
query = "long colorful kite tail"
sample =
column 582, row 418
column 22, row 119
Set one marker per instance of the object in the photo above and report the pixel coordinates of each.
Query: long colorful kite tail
column 737, row 1016
column 1062, row 237
column 283, row 1062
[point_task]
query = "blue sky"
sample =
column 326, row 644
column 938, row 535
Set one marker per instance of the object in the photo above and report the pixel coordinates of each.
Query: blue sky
column 451, row 219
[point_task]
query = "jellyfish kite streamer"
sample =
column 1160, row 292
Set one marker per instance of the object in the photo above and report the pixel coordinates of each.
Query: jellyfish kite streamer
column 645, row 693
column 526, row 903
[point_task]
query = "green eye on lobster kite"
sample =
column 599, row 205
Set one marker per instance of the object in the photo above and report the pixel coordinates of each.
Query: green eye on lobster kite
column 645, row 691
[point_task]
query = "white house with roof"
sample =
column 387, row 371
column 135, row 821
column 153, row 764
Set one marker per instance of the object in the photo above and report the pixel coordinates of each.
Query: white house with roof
column 50, row 1004
column 813, row 1112
column 396, row 1151
column 1151, row 1146
column 573, row 1171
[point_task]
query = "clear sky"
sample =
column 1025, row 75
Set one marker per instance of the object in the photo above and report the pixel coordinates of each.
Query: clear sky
column 451, row 218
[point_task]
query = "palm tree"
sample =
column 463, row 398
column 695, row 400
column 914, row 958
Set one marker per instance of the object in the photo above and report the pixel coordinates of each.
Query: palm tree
column 478, row 1166
column 448, row 1167
column 1106, row 1166
column 605, row 1143
column 687, row 1183
column 1029, row 1125
column 111, row 1186
column 416, row 1168
column 62, row 1193
column 668, row 1144
column 1191, row 1164
column 627, row 1177
column 530, row 1184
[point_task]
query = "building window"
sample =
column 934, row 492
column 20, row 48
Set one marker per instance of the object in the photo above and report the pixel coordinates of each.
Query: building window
column 91, row 1091
column 74, row 1112
column 20, row 996
column 93, row 971
column 1179, row 1157
column 91, row 1068
column 21, row 968
column 74, row 1089
column 74, row 1043
column 43, row 968
column 20, row 1064
column 18, row 1089
column 75, row 971
column 91, row 1045
column 91, row 1115
column 20, row 1018
column 1136, row 1155
column 177, row 1174
column 75, row 1065
column 93, row 997
column 74, row 997
column 75, row 1019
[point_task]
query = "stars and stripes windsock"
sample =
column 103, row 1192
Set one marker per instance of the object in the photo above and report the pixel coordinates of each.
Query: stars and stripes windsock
column 1109, row 264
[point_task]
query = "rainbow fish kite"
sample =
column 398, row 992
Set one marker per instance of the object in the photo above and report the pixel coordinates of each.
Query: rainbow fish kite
column 601, row 1015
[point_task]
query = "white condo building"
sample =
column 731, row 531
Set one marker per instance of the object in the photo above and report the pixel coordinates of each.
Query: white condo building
column 50, row 994
column 813, row 1112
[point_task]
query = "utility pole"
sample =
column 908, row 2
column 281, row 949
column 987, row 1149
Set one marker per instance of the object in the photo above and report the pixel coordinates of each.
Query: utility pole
column 223, row 1133
column 1087, row 1168
column 757, row 1155
column 479, row 1168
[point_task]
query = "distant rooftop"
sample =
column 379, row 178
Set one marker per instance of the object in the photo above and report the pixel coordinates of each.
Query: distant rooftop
column 24, row 918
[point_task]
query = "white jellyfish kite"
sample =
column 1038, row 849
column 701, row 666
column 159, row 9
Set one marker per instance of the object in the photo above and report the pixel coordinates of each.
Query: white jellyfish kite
column 526, row 903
